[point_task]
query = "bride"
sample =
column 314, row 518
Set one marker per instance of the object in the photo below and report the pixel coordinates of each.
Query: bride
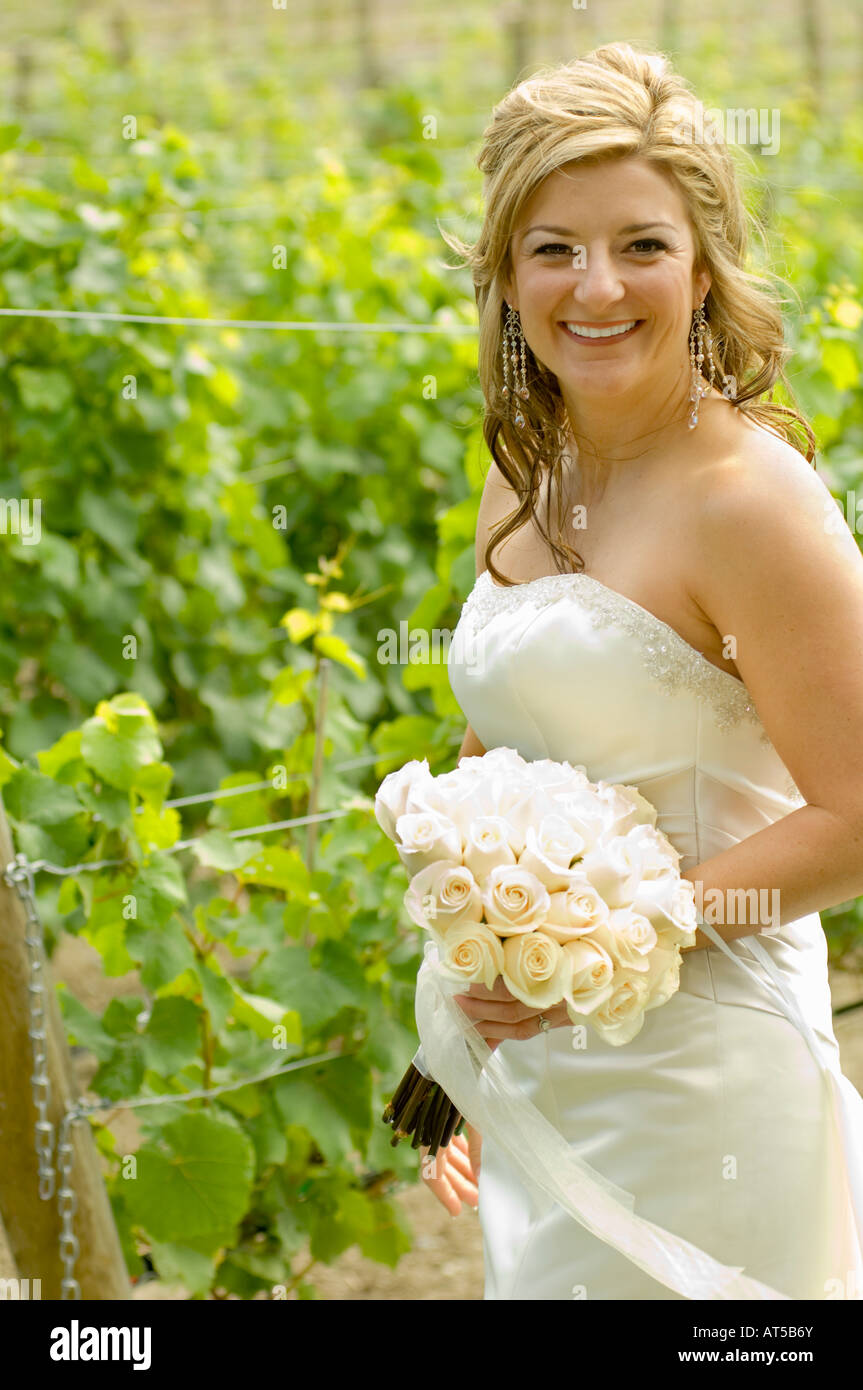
column 664, row 595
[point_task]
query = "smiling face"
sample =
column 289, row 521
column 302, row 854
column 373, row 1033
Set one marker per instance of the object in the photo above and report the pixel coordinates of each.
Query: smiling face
column 608, row 247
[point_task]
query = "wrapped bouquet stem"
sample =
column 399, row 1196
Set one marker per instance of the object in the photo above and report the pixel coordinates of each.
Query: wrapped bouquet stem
column 420, row 1107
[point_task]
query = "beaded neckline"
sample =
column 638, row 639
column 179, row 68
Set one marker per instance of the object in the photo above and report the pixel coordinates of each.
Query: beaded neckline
column 671, row 659
column 668, row 657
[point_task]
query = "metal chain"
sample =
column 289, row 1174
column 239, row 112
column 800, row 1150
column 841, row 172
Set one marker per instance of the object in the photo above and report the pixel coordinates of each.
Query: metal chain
column 67, row 1203
column 19, row 875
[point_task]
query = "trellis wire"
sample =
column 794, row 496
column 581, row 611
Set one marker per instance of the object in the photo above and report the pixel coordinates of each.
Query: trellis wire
column 275, row 325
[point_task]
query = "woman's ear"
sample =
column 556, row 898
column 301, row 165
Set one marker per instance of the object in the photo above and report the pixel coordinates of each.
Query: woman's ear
column 701, row 282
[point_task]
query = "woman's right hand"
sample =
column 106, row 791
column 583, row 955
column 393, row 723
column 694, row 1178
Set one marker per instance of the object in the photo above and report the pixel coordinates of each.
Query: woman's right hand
column 453, row 1175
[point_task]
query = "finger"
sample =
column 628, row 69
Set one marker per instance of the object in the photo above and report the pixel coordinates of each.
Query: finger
column 445, row 1193
column 464, row 1187
column 501, row 1012
column 494, row 1031
column 461, row 1163
column 500, row 990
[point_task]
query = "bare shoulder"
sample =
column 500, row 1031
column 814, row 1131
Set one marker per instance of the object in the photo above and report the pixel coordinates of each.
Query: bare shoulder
column 757, row 469
column 761, row 511
column 777, row 571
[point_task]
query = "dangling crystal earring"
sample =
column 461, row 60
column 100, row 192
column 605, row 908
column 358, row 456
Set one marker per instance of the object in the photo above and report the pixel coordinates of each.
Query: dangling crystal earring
column 698, row 387
column 512, row 350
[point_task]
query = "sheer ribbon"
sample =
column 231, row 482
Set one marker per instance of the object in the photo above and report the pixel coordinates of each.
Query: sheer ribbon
column 481, row 1086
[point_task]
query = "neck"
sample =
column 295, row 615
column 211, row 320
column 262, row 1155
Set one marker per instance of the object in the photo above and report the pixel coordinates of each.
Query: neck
column 615, row 434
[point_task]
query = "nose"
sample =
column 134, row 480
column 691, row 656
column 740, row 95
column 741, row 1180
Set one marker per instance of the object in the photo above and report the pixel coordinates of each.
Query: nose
column 597, row 280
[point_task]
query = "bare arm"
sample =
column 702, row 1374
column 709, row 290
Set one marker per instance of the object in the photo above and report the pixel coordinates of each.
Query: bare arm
column 471, row 746
column 781, row 574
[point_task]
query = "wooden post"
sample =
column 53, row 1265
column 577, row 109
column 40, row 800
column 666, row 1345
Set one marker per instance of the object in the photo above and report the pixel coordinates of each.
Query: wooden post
column 32, row 1225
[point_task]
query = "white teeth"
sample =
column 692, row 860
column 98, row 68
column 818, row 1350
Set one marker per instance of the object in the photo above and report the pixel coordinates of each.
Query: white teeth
column 584, row 331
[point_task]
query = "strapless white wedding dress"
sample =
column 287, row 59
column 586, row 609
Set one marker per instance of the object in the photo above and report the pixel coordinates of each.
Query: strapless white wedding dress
column 727, row 1118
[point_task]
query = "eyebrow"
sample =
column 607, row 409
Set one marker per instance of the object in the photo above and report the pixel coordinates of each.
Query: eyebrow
column 624, row 231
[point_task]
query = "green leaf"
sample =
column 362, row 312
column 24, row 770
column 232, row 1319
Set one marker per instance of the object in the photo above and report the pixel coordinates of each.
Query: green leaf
column 159, row 889
column 152, row 783
column 42, row 389
column 120, row 1077
column 263, row 1016
column 277, row 868
column 66, row 751
column 156, row 829
column 110, row 804
column 290, row 976
column 219, row 851
column 218, row 996
column 8, row 766
column 331, row 1101
column 172, row 1038
column 121, row 739
column 30, row 796
column 389, row 1239
column 163, row 951
column 337, row 649
column 106, row 933
column 183, row 1264
column 267, row 1132
column 194, row 1182
column 338, row 1224
column 83, row 1027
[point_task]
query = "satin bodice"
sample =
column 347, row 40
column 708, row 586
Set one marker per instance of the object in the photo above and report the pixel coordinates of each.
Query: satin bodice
column 563, row 667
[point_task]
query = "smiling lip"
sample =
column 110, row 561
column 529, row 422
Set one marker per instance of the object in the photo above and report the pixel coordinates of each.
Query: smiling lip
column 612, row 338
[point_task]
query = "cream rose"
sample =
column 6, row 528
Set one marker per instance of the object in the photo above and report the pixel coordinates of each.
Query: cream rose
column 392, row 794
column 470, row 952
column 669, row 903
column 591, row 976
column 550, row 850
column 451, row 796
column 536, row 970
column 664, row 976
column 487, row 846
column 443, row 895
column 515, row 901
column 585, row 811
column 614, row 870
column 621, row 1017
column 555, row 777
column 628, row 938
column 575, row 911
column 627, row 808
column 659, row 858
column 424, row 838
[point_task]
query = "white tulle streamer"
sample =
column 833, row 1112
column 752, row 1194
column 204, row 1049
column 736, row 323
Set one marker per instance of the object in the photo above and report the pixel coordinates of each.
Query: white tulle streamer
column 476, row 1081
column 844, row 1099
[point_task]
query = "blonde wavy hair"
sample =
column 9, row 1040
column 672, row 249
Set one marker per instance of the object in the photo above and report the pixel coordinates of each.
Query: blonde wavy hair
column 612, row 103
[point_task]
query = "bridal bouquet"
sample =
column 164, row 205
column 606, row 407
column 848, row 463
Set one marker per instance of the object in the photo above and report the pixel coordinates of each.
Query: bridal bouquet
column 529, row 871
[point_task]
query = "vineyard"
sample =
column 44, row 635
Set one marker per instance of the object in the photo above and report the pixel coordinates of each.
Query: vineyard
column 240, row 445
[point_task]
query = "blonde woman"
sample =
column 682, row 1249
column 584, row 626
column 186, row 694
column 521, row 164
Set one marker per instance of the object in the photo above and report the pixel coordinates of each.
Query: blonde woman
column 664, row 595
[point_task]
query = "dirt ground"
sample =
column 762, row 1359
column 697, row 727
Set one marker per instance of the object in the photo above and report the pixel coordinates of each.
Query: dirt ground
column 446, row 1261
